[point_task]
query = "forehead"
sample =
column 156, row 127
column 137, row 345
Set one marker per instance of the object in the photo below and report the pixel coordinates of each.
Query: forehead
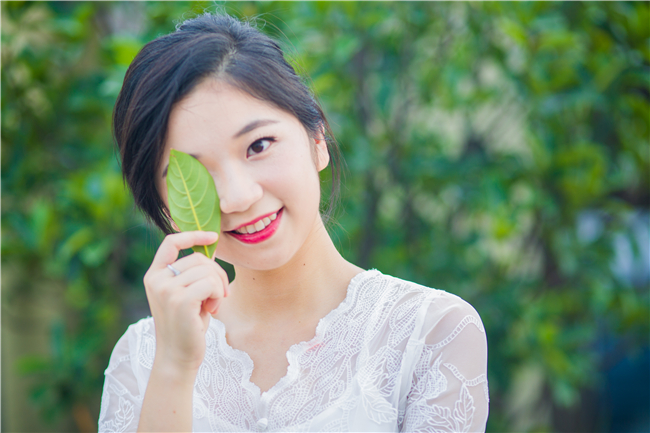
column 218, row 107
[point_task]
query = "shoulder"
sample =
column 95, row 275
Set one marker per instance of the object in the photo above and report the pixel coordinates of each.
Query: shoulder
column 374, row 285
column 422, row 309
column 139, row 329
column 137, row 342
column 126, row 378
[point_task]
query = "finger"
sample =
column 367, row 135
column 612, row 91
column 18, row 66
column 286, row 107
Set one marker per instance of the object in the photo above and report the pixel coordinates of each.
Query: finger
column 224, row 279
column 211, row 305
column 206, row 288
column 194, row 274
column 192, row 260
column 197, row 259
column 208, row 310
column 172, row 244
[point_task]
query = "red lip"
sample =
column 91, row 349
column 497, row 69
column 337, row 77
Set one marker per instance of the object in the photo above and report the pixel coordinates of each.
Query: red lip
column 254, row 221
column 262, row 235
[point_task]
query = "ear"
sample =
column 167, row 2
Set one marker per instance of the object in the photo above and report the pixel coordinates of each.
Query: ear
column 322, row 154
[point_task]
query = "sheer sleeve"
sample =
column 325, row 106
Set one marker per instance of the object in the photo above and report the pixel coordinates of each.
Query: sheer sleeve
column 126, row 380
column 448, row 379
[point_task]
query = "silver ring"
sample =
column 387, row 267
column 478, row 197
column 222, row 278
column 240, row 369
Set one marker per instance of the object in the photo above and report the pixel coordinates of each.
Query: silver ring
column 174, row 270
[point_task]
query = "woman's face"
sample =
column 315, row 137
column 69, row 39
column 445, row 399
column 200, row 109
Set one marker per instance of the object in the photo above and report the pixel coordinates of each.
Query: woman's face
column 265, row 168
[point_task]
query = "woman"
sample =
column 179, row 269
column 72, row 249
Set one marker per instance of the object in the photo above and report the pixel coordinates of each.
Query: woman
column 301, row 339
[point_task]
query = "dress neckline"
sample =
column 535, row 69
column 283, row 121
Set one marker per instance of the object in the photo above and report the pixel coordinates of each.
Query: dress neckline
column 296, row 349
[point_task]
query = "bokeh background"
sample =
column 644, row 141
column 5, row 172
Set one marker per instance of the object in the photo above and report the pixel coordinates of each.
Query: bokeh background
column 498, row 151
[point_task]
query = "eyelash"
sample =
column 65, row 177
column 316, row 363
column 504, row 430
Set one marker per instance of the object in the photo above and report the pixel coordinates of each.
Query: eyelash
column 270, row 140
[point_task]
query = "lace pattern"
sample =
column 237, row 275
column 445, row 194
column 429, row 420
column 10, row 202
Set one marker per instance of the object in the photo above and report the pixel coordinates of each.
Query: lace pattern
column 393, row 356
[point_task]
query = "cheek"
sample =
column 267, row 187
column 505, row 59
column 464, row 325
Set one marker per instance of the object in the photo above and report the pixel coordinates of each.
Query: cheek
column 299, row 178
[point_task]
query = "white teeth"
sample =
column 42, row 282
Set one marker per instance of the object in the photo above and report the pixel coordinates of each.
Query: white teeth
column 260, row 225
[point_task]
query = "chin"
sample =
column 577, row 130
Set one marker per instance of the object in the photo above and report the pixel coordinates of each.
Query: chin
column 261, row 265
column 257, row 262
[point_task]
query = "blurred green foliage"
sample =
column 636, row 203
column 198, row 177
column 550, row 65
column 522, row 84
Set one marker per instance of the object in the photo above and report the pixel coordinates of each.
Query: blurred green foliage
column 482, row 140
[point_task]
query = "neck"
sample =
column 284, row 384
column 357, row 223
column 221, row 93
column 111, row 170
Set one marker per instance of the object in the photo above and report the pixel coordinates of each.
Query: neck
column 314, row 281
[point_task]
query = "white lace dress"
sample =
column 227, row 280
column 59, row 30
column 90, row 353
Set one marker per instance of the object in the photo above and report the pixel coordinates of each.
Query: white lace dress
column 393, row 356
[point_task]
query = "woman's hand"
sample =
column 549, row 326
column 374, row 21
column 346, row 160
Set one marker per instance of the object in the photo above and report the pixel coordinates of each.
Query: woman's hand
column 181, row 305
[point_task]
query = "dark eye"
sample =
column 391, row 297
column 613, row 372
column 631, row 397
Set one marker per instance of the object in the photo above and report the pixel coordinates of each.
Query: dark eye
column 259, row 146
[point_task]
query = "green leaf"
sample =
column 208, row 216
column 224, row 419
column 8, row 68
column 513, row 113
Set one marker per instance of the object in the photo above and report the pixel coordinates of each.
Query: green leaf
column 193, row 199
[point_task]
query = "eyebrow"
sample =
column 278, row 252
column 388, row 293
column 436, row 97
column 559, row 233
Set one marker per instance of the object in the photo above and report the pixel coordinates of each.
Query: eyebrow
column 164, row 173
column 254, row 125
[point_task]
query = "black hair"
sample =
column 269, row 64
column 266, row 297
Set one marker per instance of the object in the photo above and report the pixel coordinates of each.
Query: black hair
column 169, row 67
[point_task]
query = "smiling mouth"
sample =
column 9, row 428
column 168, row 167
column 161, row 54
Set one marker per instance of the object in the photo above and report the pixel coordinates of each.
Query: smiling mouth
column 258, row 226
column 260, row 230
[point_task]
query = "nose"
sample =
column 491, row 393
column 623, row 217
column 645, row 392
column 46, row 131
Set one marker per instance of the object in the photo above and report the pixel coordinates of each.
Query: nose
column 238, row 189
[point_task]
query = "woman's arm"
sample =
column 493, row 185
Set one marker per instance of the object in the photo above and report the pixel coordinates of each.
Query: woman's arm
column 181, row 306
column 122, row 394
column 167, row 404
column 449, row 390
